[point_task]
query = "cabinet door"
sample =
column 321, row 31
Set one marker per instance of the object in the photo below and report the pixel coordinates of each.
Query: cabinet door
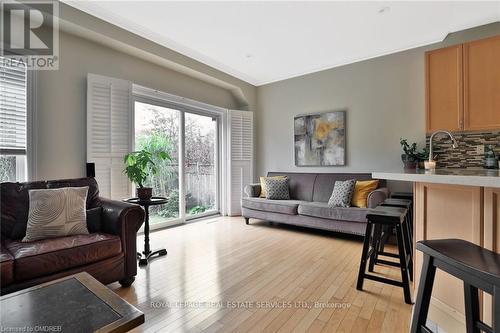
column 447, row 211
column 491, row 236
column 444, row 89
column 482, row 84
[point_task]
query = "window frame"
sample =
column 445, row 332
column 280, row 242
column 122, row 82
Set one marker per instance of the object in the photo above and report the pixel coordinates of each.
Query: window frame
column 31, row 125
column 184, row 105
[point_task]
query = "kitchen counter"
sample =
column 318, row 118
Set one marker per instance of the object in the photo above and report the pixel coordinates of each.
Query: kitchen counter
column 453, row 203
column 468, row 177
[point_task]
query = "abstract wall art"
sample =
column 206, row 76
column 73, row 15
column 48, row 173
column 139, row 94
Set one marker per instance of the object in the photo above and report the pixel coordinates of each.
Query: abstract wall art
column 320, row 139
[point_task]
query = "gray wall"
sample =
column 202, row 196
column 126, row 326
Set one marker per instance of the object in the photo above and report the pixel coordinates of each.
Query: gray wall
column 384, row 98
column 61, row 99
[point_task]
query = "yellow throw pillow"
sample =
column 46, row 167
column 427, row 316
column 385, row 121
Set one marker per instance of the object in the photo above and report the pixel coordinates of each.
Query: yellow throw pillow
column 263, row 191
column 361, row 191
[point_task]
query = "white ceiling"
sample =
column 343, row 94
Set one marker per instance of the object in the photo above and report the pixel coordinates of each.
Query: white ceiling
column 263, row 42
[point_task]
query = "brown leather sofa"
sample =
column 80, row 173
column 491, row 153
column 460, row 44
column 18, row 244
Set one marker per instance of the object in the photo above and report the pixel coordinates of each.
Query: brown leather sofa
column 108, row 253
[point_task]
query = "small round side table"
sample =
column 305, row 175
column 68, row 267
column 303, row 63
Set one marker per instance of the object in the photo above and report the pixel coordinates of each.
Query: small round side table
column 147, row 254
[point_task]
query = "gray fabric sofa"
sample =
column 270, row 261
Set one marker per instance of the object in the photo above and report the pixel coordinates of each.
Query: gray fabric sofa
column 308, row 207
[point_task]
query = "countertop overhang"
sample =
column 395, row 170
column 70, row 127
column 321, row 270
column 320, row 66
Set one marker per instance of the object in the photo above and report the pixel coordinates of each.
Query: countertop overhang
column 468, row 177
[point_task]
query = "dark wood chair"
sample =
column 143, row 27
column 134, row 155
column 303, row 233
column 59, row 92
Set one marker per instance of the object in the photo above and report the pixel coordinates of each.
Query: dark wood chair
column 380, row 237
column 477, row 267
column 377, row 218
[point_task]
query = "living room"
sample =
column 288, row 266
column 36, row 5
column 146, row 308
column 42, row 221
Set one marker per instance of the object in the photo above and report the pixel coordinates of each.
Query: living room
column 171, row 167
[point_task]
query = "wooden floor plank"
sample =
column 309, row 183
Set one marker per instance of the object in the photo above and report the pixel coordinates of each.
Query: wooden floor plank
column 261, row 277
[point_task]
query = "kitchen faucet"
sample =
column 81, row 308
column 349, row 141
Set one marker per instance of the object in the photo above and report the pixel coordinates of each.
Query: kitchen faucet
column 431, row 163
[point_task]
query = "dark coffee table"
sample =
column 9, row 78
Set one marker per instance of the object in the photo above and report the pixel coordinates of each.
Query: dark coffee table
column 76, row 303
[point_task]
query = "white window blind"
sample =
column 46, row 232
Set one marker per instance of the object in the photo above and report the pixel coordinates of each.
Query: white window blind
column 240, row 143
column 109, row 128
column 13, row 115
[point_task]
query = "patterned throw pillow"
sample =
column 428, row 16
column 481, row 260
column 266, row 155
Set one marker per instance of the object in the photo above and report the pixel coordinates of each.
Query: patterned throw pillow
column 263, row 191
column 56, row 213
column 342, row 193
column 277, row 189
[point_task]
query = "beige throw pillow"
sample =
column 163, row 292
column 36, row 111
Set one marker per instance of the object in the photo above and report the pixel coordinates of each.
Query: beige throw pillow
column 56, row 213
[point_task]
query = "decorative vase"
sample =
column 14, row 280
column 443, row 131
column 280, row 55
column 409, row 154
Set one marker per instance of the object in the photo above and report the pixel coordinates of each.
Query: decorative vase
column 409, row 162
column 144, row 193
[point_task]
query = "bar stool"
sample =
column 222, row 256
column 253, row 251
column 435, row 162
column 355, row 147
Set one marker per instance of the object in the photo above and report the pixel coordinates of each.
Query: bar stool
column 379, row 235
column 402, row 195
column 477, row 267
column 402, row 203
column 376, row 218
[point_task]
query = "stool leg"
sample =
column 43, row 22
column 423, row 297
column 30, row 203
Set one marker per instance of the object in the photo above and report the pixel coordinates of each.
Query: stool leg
column 421, row 307
column 471, row 308
column 403, row 264
column 496, row 309
column 364, row 255
column 377, row 235
column 409, row 250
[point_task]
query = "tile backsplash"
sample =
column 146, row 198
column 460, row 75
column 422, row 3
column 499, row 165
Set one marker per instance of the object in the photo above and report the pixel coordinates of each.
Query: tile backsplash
column 466, row 155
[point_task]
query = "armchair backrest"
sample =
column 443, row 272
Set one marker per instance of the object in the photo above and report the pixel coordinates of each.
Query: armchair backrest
column 14, row 204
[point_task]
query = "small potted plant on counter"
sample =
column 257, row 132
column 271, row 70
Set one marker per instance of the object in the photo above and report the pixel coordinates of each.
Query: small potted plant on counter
column 139, row 165
column 410, row 157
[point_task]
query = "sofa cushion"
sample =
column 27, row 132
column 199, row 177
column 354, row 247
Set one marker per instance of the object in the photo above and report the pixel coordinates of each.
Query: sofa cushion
column 15, row 206
column 48, row 256
column 323, row 186
column 15, row 202
column 342, row 193
column 301, row 184
column 277, row 188
column 263, row 191
column 56, row 212
column 92, row 194
column 321, row 209
column 6, row 267
column 276, row 206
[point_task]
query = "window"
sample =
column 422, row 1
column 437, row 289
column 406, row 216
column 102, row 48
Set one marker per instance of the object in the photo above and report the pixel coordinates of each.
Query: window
column 13, row 121
column 157, row 128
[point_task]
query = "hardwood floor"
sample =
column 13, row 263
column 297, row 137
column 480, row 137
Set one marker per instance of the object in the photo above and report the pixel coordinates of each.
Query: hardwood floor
column 306, row 277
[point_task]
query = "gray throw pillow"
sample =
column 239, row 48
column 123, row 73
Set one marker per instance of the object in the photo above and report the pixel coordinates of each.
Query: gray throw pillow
column 277, row 188
column 342, row 193
column 56, row 213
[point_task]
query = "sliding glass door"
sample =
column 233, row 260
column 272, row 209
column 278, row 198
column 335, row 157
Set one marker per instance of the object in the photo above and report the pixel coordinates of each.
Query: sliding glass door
column 157, row 129
column 191, row 139
column 201, row 164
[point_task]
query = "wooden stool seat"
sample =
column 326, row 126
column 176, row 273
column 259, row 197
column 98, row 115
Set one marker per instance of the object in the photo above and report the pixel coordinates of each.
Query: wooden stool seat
column 470, row 258
column 381, row 236
column 477, row 267
column 402, row 195
column 399, row 202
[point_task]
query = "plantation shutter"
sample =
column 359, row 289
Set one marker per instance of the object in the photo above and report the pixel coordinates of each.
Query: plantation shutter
column 240, row 124
column 13, row 115
column 109, row 132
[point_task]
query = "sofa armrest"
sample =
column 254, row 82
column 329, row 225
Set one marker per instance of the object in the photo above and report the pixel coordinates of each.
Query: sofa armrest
column 252, row 190
column 124, row 220
column 376, row 197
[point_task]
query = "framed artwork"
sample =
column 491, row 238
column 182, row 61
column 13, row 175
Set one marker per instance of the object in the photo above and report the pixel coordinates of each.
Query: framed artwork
column 320, row 139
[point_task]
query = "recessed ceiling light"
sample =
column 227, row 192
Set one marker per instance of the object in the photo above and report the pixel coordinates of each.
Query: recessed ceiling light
column 384, row 10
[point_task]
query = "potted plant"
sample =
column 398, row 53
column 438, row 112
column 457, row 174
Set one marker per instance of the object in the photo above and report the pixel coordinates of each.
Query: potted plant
column 410, row 157
column 139, row 165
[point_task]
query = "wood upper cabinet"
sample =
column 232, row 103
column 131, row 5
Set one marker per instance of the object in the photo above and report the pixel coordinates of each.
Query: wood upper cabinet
column 463, row 86
column 482, row 84
column 444, row 92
